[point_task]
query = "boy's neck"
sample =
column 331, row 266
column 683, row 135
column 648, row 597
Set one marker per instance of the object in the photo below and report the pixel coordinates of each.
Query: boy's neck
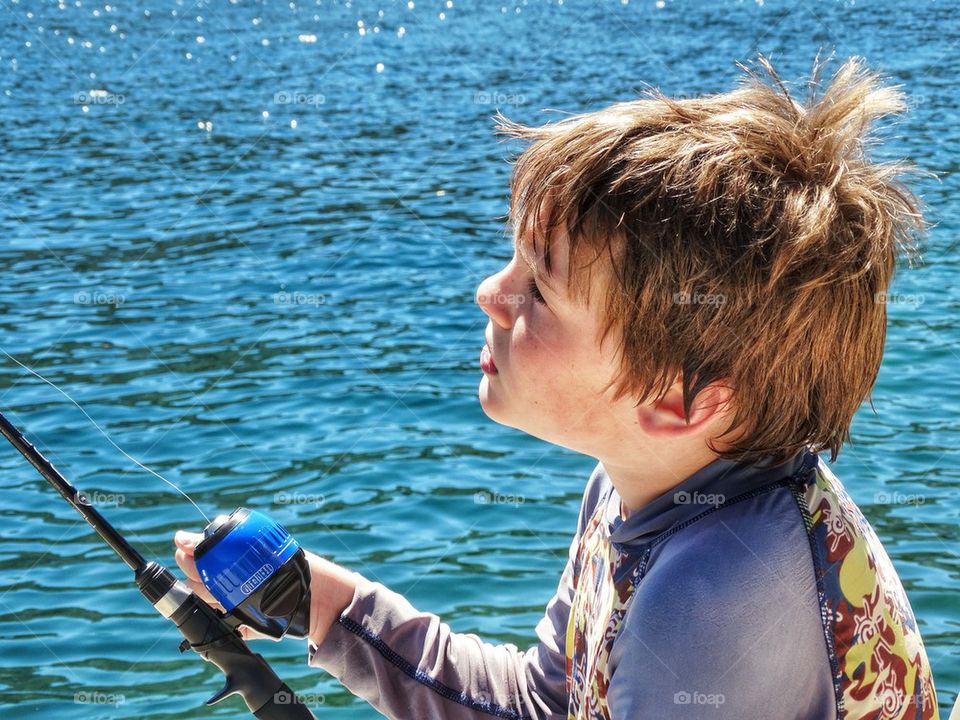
column 638, row 485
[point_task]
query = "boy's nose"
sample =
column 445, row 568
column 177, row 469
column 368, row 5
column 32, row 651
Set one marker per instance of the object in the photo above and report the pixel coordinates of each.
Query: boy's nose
column 494, row 301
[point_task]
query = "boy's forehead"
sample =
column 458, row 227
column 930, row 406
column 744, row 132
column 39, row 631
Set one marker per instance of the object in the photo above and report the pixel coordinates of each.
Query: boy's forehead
column 547, row 257
column 545, row 247
column 541, row 245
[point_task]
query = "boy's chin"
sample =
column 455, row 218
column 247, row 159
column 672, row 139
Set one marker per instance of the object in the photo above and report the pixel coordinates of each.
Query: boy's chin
column 488, row 400
column 492, row 402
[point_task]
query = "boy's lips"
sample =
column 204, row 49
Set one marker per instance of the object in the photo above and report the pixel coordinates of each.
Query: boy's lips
column 486, row 361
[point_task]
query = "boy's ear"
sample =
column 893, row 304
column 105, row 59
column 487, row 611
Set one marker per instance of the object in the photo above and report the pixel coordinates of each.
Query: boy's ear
column 665, row 417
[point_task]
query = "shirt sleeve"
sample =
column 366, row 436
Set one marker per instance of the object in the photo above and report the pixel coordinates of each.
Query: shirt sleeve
column 408, row 664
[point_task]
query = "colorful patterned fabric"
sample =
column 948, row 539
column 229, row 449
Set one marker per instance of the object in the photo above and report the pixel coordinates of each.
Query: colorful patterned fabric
column 880, row 666
column 605, row 580
column 873, row 650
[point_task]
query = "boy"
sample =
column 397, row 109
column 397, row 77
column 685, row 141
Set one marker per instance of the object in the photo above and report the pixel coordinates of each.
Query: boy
column 696, row 300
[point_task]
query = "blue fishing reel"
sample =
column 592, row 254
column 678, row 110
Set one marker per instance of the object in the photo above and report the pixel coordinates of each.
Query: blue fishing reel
column 258, row 572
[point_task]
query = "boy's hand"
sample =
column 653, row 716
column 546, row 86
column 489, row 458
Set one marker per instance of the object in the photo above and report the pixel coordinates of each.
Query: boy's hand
column 186, row 542
column 332, row 588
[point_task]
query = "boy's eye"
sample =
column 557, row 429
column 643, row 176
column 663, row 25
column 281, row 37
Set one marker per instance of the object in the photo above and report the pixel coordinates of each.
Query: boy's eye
column 535, row 291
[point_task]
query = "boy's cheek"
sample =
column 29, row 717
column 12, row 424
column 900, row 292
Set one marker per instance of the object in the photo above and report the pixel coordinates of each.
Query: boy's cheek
column 528, row 342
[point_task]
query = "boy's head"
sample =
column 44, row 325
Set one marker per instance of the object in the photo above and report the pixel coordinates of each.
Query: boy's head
column 713, row 269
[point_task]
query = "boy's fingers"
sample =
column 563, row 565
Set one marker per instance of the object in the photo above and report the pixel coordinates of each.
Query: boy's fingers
column 245, row 632
column 187, row 564
column 250, row 634
column 187, row 541
column 199, row 588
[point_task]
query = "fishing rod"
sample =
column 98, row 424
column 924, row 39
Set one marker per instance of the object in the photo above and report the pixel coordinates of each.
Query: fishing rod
column 250, row 564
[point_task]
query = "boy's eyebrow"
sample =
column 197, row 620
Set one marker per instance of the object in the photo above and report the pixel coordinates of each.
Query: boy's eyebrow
column 541, row 278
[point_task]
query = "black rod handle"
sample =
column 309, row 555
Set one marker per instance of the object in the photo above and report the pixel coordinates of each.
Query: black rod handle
column 284, row 705
column 247, row 673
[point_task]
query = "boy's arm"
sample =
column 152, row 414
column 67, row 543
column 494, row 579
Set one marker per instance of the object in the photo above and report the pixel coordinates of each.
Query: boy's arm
column 409, row 664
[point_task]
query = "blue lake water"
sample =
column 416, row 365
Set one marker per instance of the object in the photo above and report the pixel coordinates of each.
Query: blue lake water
column 246, row 237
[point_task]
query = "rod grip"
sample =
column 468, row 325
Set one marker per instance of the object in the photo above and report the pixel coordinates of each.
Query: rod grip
column 284, row 705
column 247, row 673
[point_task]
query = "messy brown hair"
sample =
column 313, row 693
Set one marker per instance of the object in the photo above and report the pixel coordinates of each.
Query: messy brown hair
column 766, row 207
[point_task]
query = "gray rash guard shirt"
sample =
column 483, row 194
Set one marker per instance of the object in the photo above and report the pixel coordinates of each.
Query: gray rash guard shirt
column 746, row 591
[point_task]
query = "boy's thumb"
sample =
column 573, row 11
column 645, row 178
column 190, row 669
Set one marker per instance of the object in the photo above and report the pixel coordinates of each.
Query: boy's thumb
column 186, row 540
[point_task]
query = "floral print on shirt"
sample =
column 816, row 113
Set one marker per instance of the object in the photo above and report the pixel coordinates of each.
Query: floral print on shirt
column 880, row 665
column 878, row 662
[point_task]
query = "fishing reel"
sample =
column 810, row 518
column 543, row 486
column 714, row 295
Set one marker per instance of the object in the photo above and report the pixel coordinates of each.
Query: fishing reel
column 258, row 572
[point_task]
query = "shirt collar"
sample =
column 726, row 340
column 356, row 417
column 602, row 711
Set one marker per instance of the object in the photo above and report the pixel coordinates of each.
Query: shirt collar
column 710, row 486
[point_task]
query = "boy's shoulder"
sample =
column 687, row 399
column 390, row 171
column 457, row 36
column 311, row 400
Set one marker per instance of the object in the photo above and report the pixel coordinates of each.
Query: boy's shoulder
column 786, row 588
column 874, row 643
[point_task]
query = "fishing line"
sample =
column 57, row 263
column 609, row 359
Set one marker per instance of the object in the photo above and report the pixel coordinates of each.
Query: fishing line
column 102, row 432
